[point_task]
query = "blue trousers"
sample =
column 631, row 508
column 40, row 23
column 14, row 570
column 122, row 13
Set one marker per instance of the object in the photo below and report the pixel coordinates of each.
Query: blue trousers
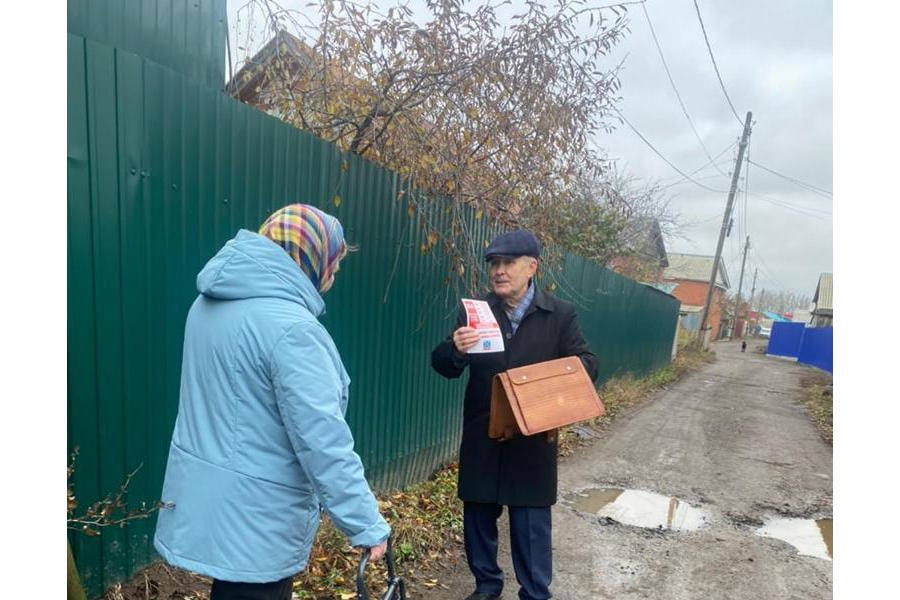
column 529, row 533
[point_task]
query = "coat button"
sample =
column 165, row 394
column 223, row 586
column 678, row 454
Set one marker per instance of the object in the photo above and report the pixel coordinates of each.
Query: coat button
column 509, row 336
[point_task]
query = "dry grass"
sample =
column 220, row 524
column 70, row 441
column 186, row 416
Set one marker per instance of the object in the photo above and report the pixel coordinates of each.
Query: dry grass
column 818, row 396
column 159, row 581
column 426, row 524
column 426, row 527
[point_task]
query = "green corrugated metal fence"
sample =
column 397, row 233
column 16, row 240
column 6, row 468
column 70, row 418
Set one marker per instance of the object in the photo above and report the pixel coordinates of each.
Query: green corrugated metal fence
column 185, row 35
column 630, row 326
column 162, row 170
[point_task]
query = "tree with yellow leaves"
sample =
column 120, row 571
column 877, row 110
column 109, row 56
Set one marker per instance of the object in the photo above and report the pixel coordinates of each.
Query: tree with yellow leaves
column 500, row 112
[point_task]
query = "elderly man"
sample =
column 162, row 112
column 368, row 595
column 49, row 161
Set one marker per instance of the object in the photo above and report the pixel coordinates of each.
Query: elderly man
column 519, row 473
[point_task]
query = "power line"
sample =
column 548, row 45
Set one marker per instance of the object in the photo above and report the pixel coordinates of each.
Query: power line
column 704, row 165
column 715, row 66
column 702, row 221
column 808, row 187
column 675, row 89
column 747, row 190
column 735, row 251
column 802, row 211
column 659, row 154
column 682, row 180
column 767, row 271
column 745, row 209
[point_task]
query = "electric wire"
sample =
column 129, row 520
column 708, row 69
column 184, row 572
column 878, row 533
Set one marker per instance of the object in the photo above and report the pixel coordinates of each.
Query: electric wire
column 700, row 168
column 742, row 214
column 715, row 66
column 682, row 180
column 733, row 243
column 747, row 189
column 768, row 272
column 675, row 89
column 803, row 210
column 659, row 154
column 806, row 212
column 745, row 227
column 811, row 188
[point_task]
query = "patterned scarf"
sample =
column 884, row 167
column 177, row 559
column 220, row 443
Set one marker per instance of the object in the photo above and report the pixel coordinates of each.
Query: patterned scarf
column 314, row 239
column 516, row 314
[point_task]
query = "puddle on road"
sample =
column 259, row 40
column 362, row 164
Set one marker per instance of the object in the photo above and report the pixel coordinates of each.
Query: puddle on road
column 809, row 537
column 640, row 509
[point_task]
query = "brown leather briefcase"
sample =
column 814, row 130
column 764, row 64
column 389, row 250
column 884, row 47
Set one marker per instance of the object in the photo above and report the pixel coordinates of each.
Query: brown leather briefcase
column 542, row 397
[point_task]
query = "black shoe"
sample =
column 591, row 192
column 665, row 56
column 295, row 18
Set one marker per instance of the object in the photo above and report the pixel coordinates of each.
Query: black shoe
column 482, row 596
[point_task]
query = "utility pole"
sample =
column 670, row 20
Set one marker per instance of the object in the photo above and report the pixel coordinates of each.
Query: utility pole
column 725, row 219
column 737, row 304
column 752, row 292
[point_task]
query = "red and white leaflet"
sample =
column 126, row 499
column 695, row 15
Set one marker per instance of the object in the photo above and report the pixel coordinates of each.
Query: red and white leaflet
column 480, row 318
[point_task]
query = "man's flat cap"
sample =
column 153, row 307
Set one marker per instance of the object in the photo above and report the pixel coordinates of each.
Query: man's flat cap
column 514, row 244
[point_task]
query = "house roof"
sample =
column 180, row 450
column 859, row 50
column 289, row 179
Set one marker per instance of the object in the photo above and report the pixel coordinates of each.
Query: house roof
column 823, row 297
column 695, row 267
column 687, row 308
column 252, row 73
column 774, row 316
column 667, row 287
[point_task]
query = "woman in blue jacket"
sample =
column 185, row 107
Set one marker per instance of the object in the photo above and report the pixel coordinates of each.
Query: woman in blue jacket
column 260, row 441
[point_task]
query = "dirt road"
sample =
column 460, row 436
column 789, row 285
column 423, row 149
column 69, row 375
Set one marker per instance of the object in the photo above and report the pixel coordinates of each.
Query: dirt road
column 733, row 445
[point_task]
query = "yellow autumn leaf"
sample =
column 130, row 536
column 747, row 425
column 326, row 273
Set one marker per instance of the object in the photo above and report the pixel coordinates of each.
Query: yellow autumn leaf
column 345, row 166
column 411, row 210
column 348, row 595
column 336, row 200
column 432, row 238
column 479, row 213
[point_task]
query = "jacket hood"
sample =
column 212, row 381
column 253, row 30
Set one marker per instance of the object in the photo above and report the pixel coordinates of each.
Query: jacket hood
column 252, row 266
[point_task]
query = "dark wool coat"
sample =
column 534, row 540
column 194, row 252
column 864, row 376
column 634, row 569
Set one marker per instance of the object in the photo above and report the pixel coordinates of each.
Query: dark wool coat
column 521, row 471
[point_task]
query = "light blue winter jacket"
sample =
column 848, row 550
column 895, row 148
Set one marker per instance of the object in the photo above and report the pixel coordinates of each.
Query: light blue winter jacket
column 260, row 438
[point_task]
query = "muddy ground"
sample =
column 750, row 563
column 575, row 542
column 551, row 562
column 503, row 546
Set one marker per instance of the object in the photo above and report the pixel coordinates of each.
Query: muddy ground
column 733, row 440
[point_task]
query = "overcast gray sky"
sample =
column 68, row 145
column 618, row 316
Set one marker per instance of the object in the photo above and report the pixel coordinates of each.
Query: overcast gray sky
column 775, row 59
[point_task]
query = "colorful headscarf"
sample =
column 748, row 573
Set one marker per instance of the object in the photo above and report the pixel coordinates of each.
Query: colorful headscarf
column 314, row 239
